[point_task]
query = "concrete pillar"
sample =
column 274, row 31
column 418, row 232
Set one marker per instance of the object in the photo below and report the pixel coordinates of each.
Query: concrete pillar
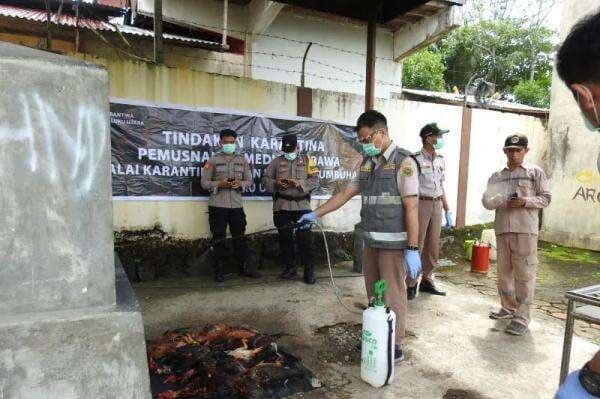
column 63, row 332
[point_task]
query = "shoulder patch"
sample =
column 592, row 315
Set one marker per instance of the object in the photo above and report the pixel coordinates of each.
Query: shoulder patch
column 407, row 171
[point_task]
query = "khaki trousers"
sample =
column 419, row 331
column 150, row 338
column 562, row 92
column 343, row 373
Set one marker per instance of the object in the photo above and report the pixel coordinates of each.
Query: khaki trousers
column 430, row 228
column 388, row 264
column 517, row 268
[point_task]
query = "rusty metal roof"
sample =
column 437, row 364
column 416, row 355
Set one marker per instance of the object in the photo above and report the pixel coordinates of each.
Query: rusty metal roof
column 94, row 24
column 458, row 99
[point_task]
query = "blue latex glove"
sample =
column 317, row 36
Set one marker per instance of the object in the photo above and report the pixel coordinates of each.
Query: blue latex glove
column 412, row 262
column 307, row 219
column 572, row 389
column 449, row 219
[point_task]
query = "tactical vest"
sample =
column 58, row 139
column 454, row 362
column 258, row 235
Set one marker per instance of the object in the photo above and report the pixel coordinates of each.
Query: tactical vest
column 228, row 167
column 299, row 172
column 382, row 212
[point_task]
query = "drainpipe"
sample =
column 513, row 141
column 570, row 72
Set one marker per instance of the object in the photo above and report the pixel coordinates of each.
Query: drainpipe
column 225, row 9
column 304, row 64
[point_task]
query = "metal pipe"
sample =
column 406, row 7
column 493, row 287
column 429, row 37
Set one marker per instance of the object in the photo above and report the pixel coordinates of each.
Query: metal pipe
column 304, row 63
column 225, row 10
column 77, row 26
column 158, row 32
column 48, row 31
column 566, row 355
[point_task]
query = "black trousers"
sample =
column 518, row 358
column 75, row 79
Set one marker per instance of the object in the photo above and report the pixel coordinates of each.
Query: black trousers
column 286, row 238
column 235, row 218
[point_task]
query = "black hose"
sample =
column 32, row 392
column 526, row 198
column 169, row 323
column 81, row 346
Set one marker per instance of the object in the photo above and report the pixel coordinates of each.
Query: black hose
column 389, row 348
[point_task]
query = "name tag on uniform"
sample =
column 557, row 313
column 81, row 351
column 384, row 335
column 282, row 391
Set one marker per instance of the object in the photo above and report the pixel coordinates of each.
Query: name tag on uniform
column 389, row 166
column 366, row 168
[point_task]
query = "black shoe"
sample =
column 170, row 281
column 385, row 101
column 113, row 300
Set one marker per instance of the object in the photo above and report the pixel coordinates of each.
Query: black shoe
column 219, row 275
column 411, row 292
column 398, row 354
column 429, row 287
column 309, row 275
column 288, row 273
column 246, row 272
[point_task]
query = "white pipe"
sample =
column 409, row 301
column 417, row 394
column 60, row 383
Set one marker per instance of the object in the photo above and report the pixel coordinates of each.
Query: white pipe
column 224, row 39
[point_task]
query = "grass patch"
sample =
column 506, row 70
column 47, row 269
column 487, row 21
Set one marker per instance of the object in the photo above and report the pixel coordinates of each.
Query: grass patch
column 560, row 253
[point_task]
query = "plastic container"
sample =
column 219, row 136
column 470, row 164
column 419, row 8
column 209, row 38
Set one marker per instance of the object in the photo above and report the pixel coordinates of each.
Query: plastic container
column 480, row 261
column 469, row 248
column 378, row 342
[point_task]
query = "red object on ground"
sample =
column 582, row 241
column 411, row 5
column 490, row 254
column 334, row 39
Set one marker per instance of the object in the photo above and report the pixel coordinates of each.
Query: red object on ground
column 480, row 261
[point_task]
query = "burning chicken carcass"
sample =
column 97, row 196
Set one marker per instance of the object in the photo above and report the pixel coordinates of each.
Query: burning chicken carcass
column 221, row 361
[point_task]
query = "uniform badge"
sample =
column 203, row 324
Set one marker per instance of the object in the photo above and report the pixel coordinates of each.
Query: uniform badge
column 514, row 139
column 407, row 171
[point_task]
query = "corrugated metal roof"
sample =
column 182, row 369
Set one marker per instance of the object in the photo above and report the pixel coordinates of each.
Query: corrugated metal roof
column 89, row 23
column 494, row 104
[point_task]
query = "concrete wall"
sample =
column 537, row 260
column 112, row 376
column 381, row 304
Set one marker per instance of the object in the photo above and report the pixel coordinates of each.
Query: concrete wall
column 301, row 28
column 573, row 159
column 488, row 132
column 54, row 188
column 64, row 330
column 189, row 219
column 347, row 70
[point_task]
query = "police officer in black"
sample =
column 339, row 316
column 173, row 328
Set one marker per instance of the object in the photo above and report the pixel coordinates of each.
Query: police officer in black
column 291, row 179
column 225, row 176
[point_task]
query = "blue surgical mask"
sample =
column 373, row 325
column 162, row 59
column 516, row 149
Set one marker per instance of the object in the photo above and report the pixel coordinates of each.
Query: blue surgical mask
column 370, row 150
column 290, row 156
column 439, row 144
column 228, row 148
column 588, row 124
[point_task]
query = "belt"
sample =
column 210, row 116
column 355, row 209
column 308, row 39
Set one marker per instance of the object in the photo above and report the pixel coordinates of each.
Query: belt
column 290, row 198
column 424, row 198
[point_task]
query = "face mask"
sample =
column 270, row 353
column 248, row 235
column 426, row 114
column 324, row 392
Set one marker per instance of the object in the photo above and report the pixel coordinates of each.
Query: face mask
column 589, row 125
column 290, row 156
column 228, row 148
column 439, row 144
column 370, row 150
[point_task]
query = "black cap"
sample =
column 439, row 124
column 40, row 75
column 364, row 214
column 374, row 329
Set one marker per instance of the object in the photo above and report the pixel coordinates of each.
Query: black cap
column 516, row 141
column 289, row 142
column 432, row 129
column 227, row 132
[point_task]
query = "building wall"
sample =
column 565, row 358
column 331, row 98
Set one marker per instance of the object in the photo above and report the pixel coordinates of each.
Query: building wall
column 345, row 70
column 189, row 219
column 488, row 132
column 573, row 159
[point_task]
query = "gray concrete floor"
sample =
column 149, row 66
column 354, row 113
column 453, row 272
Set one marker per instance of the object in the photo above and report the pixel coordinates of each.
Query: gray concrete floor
column 452, row 346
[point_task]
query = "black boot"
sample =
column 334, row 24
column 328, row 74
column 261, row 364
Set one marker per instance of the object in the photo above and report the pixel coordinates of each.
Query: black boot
column 245, row 271
column 219, row 274
column 309, row 274
column 288, row 273
column 411, row 292
column 430, row 288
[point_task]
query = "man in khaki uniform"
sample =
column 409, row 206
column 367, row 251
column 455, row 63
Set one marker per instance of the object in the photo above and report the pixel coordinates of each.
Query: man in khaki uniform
column 289, row 179
column 432, row 199
column 387, row 180
column 517, row 193
column 225, row 176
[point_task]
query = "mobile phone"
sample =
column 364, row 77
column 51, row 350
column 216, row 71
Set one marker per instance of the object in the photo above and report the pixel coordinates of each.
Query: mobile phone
column 231, row 179
column 513, row 196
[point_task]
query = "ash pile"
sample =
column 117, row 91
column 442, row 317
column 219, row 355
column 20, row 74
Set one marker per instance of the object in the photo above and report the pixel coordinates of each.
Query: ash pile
column 220, row 361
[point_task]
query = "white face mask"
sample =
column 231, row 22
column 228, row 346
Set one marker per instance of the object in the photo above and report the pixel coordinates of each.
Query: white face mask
column 588, row 124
